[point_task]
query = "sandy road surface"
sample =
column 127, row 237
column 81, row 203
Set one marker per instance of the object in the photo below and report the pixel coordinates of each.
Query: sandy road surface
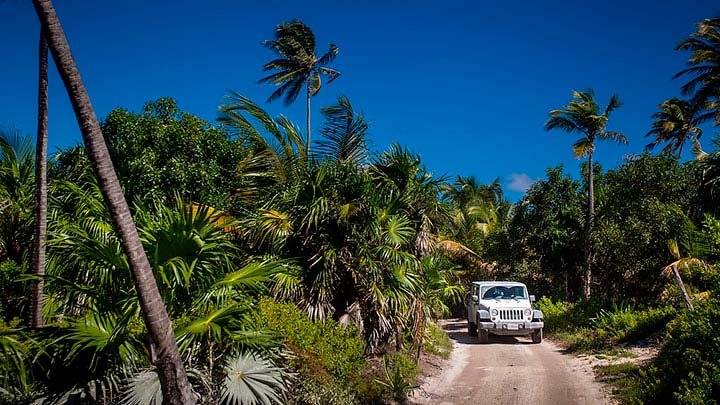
column 508, row 370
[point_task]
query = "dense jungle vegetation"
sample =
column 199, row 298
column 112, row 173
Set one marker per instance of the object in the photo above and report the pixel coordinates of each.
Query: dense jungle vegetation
column 312, row 270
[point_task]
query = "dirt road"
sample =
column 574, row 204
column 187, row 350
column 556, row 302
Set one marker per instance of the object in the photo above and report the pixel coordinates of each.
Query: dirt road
column 508, row 370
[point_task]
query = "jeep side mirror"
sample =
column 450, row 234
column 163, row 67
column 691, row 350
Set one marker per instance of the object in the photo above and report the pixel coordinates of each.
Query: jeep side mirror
column 475, row 298
column 532, row 298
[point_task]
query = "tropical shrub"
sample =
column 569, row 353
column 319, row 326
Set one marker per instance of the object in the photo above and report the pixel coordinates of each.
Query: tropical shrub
column 399, row 373
column 625, row 323
column 437, row 341
column 320, row 348
column 687, row 370
column 594, row 325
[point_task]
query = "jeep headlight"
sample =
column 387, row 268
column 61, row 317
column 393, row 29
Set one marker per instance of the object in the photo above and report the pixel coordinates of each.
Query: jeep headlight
column 494, row 312
column 527, row 312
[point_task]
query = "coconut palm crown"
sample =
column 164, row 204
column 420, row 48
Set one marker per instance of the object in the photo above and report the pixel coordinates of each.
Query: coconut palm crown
column 676, row 122
column 297, row 67
column 704, row 66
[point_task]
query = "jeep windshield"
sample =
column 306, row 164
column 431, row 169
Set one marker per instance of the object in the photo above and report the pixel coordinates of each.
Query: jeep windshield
column 503, row 292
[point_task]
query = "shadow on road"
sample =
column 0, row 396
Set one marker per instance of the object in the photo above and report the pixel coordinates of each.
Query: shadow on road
column 457, row 331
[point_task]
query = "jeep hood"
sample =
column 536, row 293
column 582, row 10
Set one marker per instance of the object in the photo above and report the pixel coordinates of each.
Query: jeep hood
column 506, row 303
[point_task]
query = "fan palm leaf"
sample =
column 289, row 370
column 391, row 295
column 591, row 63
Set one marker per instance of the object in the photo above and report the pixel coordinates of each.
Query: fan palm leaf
column 250, row 380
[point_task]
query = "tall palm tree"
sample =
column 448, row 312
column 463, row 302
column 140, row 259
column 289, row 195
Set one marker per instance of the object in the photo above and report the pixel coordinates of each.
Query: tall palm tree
column 298, row 65
column 40, row 239
column 704, row 66
column 176, row 387
column 584, row 116
column 676, row 123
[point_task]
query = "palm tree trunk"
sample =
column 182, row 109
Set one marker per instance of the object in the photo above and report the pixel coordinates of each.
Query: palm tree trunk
column 587, row 279
column 307, row 146
column 40, row 230
column 681, row 285
column 175, row 386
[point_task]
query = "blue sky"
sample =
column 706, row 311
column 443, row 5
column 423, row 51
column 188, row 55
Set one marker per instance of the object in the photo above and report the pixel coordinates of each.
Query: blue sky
column 467, row 85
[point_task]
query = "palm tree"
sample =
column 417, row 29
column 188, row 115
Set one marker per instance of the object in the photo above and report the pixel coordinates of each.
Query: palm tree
column 40, row 239
column 298, row 66
column 676, row 123
column 681, row 262
column 704, row 67
column 584, row 116
column 176, row 387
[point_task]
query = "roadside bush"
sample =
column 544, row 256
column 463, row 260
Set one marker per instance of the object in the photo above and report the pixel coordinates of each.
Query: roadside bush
column 687, row 370
column 625, row 323
column 436, row 341
column 590, row 325
column 311, row 392
column 321, row 347
column 398, row 379
column 566, row 316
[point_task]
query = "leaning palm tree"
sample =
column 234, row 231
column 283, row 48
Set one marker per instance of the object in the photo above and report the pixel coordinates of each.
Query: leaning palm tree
column 681, row 263
column 298, row 66
column 176, row 387
column 38, row 259
column 584, row 116
column 676, row 122
column 704, row 66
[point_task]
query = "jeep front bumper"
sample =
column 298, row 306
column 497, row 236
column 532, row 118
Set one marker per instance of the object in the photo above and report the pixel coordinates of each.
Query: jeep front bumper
column 511, row 328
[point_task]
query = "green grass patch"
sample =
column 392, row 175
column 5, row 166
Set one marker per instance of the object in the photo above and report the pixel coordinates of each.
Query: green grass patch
column 436, row 341
column 625, row 379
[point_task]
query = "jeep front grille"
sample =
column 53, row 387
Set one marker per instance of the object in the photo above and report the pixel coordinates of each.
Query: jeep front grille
column 511, row 314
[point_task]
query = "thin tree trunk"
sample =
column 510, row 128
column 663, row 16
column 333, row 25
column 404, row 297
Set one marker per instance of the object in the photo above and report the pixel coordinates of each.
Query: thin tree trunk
column 685, row 296
column 40, row 230
column 307, row 146
column 173, row 379
column 420, row 329
column 587, row 280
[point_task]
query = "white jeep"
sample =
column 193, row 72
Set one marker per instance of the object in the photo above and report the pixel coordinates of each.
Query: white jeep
column 502, row 308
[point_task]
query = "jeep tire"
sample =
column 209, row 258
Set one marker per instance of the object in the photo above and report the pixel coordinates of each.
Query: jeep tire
column 483, row 336
column 537, row 336
column 472, row 329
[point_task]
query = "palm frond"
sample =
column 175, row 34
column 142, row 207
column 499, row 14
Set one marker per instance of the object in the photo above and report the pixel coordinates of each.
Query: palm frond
column 143, row 388
column 250, row 380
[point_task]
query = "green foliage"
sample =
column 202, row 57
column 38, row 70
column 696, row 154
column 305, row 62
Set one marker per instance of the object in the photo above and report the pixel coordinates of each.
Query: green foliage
column 687, row 370
column 16, row 351
column 162, row 151
column 320, row 347
column 649, row 200
column 313, row 392
column 15, row 290
column 625, row 323
column 546, row 236
column 399, row 380
column 437, row 341
column 563, row 315
column 594, row 325
column 624, row 379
